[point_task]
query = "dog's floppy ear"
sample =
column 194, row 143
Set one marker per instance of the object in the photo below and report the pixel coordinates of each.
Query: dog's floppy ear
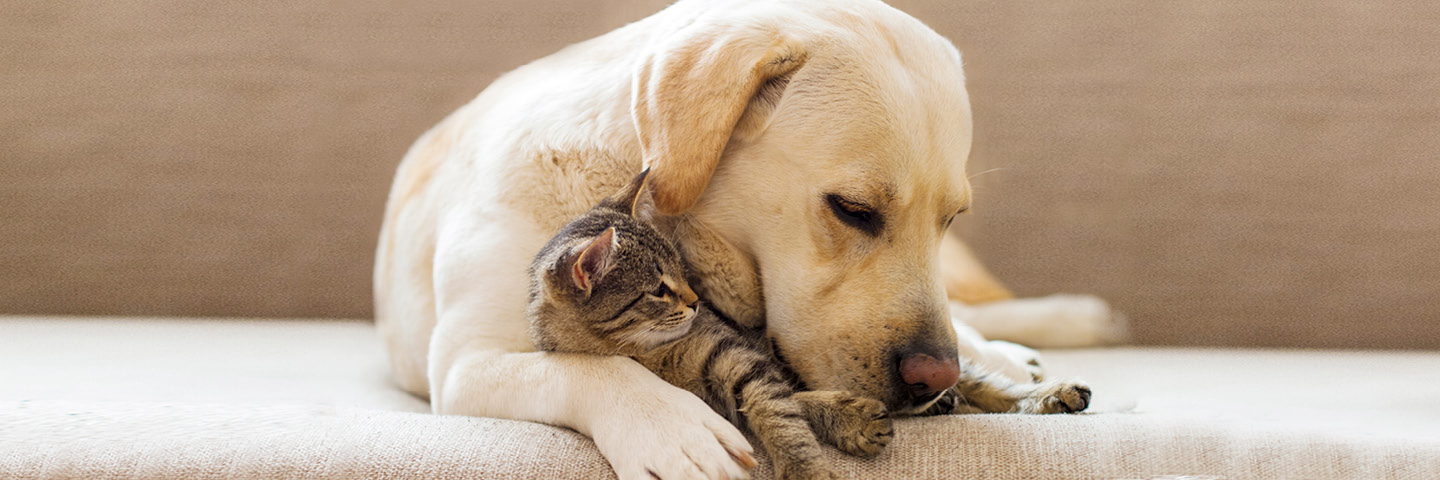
column 691, row 89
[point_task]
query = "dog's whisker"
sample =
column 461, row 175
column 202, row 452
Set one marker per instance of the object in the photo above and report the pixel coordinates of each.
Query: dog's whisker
column 996, row 169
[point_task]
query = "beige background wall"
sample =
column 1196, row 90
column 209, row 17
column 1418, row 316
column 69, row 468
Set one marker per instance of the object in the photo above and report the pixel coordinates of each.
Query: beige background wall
column 1226, row 172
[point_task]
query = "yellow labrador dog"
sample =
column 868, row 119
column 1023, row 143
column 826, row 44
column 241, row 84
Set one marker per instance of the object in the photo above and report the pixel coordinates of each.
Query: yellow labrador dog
column 810, row 154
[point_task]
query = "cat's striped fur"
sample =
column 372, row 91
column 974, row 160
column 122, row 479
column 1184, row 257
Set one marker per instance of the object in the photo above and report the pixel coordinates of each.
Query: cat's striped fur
column 610, row 283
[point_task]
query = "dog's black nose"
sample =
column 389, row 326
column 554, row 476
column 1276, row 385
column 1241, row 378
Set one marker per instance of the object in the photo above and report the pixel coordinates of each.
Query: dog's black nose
column 928, row 375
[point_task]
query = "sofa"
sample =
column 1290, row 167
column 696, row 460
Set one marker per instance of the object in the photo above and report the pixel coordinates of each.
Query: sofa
column 190, row 195
column 84, row 397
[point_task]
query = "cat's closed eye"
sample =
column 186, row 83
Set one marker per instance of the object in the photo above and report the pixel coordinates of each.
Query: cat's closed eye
column 662, row 291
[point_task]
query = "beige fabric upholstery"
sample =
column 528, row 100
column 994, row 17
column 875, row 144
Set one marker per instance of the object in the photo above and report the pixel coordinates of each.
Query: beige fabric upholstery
column 170, row 398
column 1225, row 171
column 108, row 440
column 1228, row 172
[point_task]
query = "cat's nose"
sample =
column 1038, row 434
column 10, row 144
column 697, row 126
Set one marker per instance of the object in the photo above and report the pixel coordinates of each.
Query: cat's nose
column 928, row 374
column 688, row 296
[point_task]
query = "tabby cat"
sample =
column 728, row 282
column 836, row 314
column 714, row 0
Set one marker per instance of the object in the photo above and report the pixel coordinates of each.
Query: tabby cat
column 609, row 283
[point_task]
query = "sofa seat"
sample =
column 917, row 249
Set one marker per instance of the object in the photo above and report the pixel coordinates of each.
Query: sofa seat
column 209, row 398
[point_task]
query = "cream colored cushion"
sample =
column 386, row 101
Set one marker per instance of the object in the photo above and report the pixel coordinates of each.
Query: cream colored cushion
column 170, row 398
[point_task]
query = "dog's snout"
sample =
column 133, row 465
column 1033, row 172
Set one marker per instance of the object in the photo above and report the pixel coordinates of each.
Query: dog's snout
column 927, row 374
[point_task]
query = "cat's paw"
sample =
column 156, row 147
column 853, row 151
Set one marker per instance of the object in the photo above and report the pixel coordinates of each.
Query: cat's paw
column 1068, row 396
column 863, row 427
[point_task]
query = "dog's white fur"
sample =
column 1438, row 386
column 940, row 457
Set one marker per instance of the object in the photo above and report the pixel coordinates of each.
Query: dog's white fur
column 805, row 98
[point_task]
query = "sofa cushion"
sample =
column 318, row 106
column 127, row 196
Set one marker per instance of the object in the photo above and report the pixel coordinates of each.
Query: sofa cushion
column 146, row 398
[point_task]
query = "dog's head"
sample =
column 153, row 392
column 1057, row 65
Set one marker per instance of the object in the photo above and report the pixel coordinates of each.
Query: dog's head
column 828, row 147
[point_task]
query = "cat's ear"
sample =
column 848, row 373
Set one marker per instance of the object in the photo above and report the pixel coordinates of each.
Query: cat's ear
column 593, row 260
column 633, row 199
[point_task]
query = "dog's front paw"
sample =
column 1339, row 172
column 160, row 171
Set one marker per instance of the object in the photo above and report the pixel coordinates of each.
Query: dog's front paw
column 670, row 437
column 1059, row 397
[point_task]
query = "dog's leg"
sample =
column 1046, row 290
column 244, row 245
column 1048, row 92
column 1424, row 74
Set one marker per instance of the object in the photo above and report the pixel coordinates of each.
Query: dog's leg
column 641, row 424
column 966, row 279
column 1056, row 321
column 482, row 363
column 1053, row 321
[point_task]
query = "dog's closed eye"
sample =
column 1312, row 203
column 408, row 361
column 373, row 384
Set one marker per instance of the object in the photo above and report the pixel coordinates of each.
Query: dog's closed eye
column 855, row 214
column 951, row 218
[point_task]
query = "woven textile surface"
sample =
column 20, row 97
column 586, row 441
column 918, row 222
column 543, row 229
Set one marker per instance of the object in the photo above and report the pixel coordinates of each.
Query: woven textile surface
column 176, row 398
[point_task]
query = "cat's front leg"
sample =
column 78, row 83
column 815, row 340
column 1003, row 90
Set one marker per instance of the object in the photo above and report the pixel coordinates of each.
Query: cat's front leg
column 780, row 423
column 981, row 392
column 856, row 425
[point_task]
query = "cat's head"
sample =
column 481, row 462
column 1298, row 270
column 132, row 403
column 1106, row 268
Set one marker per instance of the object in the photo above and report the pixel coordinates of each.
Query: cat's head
column 614, row 281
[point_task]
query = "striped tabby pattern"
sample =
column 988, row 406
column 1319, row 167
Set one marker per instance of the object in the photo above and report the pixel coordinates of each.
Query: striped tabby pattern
column 611, row 284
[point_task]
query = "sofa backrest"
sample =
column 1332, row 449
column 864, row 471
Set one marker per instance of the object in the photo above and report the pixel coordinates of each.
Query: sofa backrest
column 1226, row 172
